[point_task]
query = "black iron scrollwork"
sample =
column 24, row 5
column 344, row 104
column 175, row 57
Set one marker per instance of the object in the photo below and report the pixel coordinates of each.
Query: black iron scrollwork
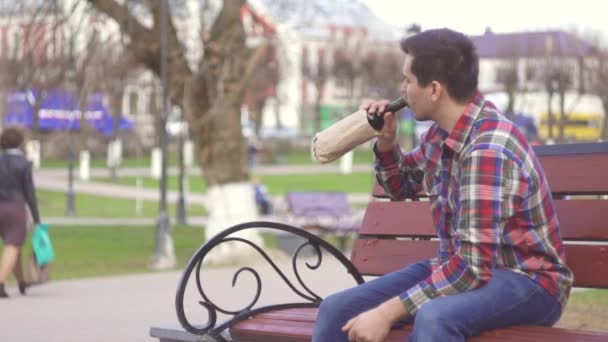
column 249, row 310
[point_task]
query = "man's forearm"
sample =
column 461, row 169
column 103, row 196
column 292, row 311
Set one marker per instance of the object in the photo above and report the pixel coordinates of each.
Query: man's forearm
column 394, row 310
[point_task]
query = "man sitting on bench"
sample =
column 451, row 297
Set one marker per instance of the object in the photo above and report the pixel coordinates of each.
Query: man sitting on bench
column 501, row 260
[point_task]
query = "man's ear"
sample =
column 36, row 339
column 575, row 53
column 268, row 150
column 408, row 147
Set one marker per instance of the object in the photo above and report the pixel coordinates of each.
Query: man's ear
column 436, row 91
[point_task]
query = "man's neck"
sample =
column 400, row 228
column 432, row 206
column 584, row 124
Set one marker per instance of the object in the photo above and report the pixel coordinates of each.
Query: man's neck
column 448, row 114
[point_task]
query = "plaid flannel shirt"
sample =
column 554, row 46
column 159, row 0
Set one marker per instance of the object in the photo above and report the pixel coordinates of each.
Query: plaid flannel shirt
column 490, row 203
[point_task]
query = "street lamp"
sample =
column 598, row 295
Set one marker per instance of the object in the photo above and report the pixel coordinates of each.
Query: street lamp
column 181, row 203
column 164, row 256
column 69, row 208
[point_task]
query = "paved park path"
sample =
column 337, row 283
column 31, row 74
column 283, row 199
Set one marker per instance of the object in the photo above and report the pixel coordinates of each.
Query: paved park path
column 122, row 309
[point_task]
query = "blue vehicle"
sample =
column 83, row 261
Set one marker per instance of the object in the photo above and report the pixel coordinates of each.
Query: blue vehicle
column 60, row 111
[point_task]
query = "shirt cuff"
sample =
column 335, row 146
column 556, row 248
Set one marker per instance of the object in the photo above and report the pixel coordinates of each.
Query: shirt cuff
column 387, row 158
column 413, row 298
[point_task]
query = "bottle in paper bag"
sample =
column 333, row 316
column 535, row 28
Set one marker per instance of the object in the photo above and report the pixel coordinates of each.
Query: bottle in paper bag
column 350, row 132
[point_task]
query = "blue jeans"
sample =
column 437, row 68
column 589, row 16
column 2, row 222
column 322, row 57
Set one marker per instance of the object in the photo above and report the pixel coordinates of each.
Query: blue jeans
column 507, row 299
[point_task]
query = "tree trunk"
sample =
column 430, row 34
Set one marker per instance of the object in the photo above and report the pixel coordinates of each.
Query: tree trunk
column 550, row 116
column 115, row 107
column 221, row 152
column 509, row 111
column 36, row 118
column 605, row 126
column 562, row 116
column 212, row 103
column 258, row 108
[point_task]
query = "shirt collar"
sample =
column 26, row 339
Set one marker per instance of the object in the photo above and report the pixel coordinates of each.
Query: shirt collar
column 457, row 138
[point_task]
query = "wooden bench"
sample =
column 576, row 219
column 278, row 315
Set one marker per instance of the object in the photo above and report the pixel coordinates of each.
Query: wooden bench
column 396, row 233
column 323, row 213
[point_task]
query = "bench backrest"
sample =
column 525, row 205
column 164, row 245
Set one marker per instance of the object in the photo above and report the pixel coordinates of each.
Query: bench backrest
column 578, row 178
column 314, row 204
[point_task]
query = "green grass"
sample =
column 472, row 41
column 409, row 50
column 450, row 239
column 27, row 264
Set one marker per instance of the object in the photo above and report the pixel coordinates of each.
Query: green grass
column 99, row 251
column 302, row 157
column 53, row 203
column 83, row 252
column 296, row 156
column 590, row 297
column 586, row 310
column 357, row 182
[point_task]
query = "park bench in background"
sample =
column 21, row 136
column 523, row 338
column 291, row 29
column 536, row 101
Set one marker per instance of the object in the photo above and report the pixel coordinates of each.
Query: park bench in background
column 323, row 213
column 396, row 233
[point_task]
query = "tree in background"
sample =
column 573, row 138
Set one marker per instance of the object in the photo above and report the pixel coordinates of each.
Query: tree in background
column 263, row 85
column 210, row 91
column 508, row 78
column 598, row 75
column 109, row 70
column 601, row 87
column 557, row 80
column 366, row 69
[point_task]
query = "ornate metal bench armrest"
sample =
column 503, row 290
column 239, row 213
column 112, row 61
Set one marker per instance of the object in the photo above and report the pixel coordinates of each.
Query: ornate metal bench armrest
column 195, row 263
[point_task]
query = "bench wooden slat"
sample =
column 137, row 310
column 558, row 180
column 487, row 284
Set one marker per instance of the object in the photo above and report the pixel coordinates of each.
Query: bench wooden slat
column 575, row 174
column 579, row 219
column 281, row 325
column 589, row 264
column 379, row 256
column 265, row 327
column 390, row 218
column 567, row 174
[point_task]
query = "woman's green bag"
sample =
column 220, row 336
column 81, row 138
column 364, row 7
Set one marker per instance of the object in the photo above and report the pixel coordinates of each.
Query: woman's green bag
column 41, row 243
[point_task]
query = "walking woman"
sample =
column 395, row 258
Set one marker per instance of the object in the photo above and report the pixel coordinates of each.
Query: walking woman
column 16, row 190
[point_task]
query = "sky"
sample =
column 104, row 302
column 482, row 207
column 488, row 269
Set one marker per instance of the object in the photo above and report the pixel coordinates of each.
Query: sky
column 473, row 16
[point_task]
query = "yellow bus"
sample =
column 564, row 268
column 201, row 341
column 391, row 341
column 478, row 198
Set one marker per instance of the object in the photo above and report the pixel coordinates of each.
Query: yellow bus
column 584, row 113
column 577, row 126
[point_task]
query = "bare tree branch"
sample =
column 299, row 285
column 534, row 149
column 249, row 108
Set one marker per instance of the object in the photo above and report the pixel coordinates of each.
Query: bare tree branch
column 253, row 64
column 145, row 46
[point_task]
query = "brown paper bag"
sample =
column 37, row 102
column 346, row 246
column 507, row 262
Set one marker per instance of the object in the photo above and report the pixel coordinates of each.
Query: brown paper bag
column 34, row 273
column 341, row 137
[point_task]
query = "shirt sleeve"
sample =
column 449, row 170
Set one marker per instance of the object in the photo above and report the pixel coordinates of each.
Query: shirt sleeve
column 400, row 174
column 489, row 183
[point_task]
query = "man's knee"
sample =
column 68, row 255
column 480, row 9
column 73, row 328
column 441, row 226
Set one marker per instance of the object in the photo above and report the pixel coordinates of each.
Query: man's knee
column 428, row 315
column 434, row 314
column 333, row 306
column 435, row 321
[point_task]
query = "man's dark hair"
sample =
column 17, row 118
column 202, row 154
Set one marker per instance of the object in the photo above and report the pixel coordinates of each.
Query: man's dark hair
column 11, row 138
column 446, row 56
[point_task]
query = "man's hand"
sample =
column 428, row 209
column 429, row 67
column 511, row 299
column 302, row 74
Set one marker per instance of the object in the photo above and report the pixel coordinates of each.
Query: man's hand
column 375, row 324
column 370, row 326
column 388, row 134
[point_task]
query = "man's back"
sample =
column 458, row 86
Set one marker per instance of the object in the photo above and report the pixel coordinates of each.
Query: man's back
column 530, row 242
